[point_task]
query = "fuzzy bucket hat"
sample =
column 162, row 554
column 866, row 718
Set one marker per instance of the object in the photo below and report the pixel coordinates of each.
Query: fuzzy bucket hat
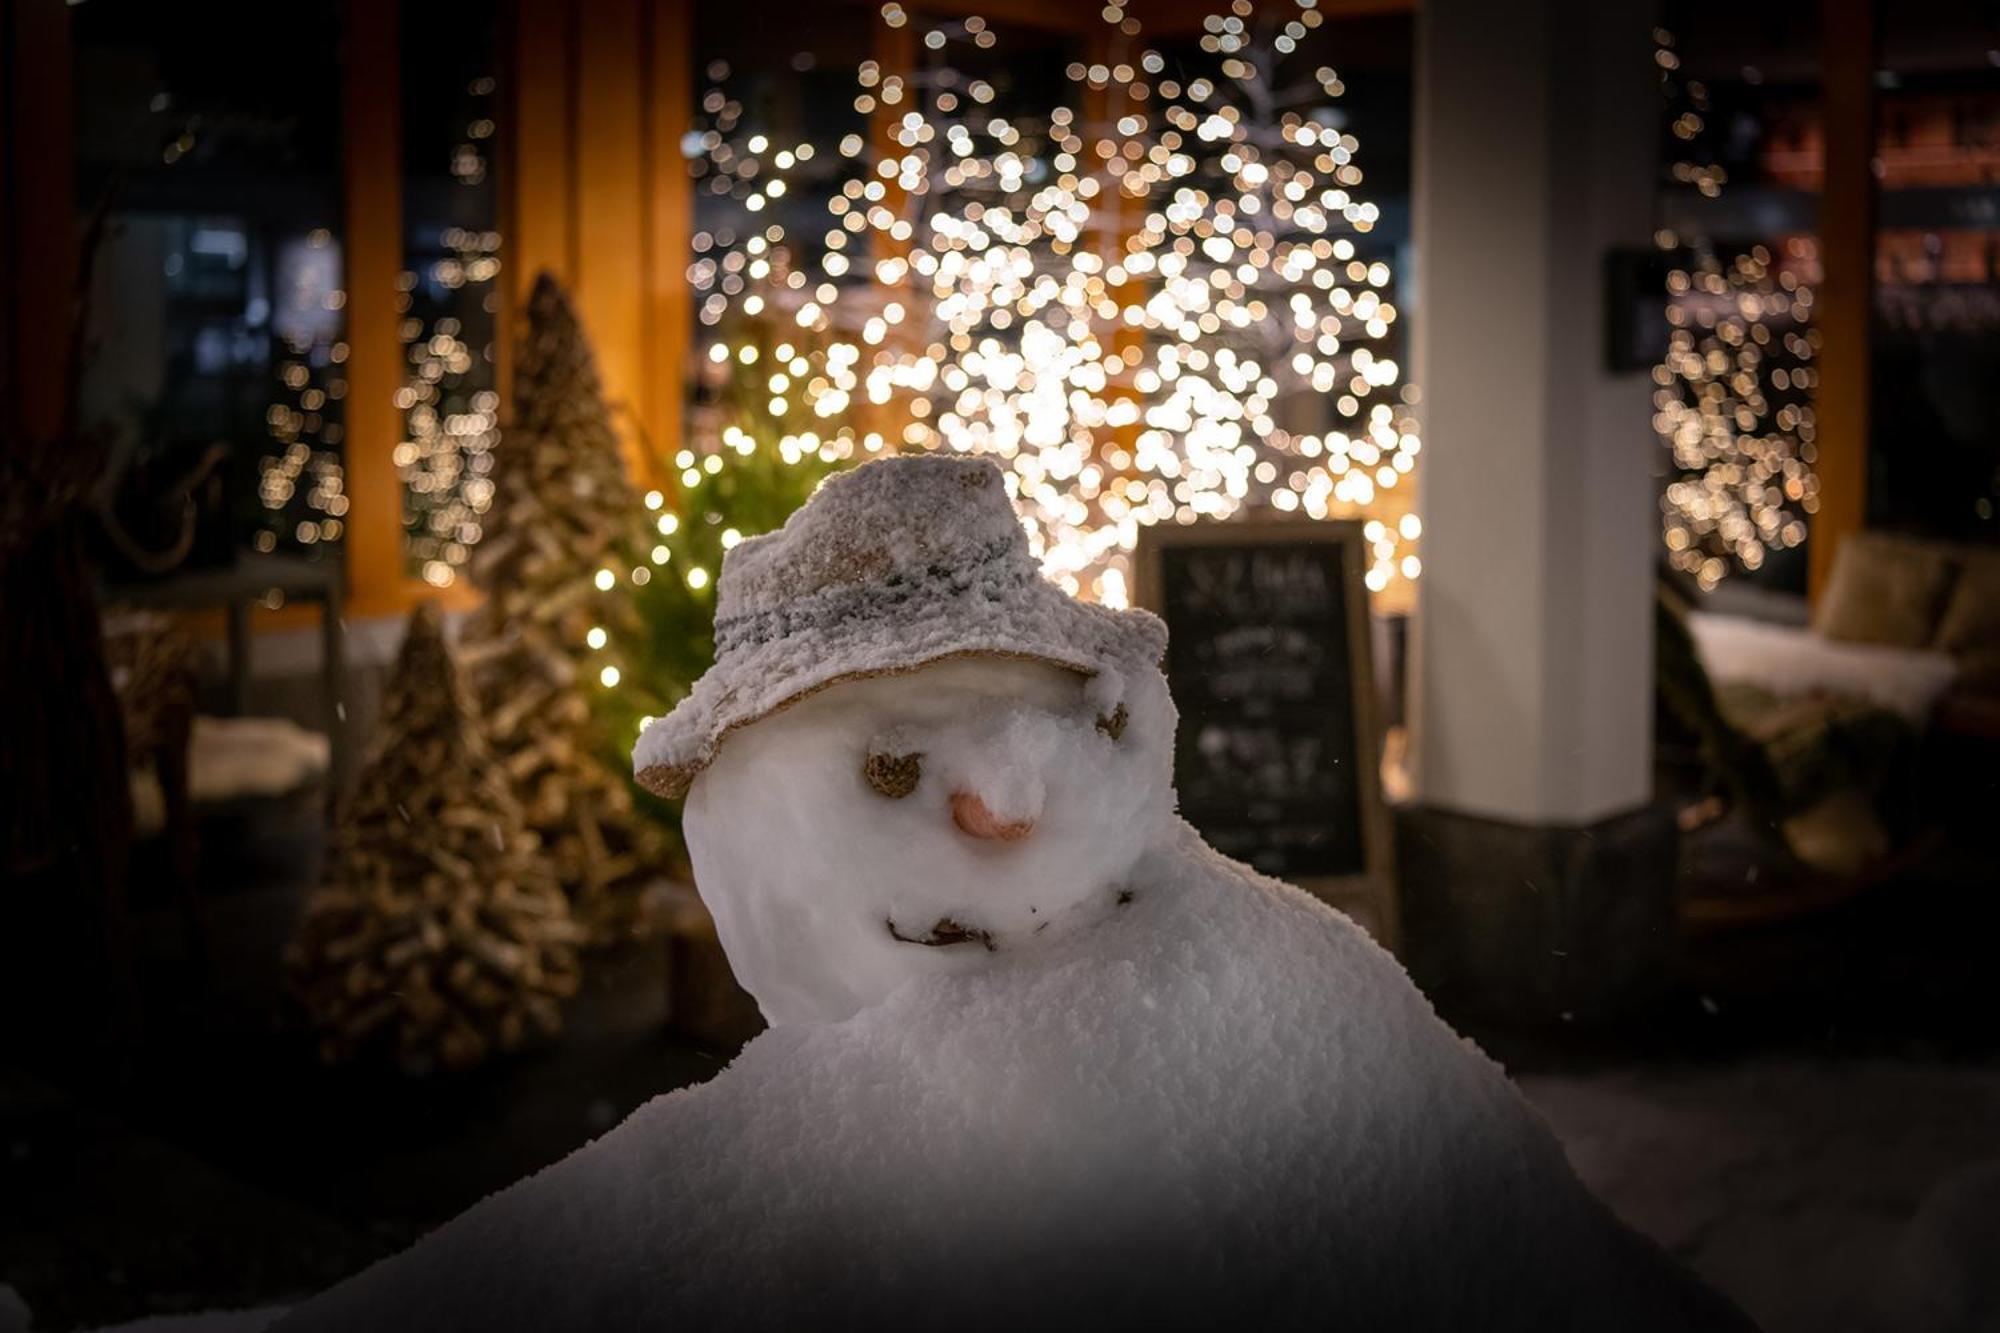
column 890, row 567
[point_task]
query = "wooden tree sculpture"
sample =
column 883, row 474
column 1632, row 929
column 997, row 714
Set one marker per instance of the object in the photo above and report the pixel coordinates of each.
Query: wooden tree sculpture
column 564, row 530
column 438, row 932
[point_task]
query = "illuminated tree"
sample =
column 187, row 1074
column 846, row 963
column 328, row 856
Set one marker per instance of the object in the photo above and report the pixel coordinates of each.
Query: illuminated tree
column 757, row 445
column 1138, row 305
column 760, row 467
column 1734, row 406
column 1733, row 401
column 438, row 933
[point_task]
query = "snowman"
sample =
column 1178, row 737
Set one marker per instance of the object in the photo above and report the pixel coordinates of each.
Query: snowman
column 1038, row 1057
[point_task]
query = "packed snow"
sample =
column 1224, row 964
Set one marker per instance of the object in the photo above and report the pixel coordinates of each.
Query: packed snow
column 1038, row 1056
column 1196, row 1096
column 1792, row 661
column 213, row 1321
column 1945, row 1265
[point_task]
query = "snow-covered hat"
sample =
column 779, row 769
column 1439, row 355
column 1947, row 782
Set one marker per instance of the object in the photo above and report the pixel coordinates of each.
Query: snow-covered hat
column 889, row 567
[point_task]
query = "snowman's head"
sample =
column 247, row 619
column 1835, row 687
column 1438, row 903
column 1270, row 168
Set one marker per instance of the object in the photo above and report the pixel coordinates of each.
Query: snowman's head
column 899, row 825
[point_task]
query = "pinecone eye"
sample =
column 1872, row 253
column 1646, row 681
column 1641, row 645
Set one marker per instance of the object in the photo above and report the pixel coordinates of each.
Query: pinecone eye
column 893, row 775
column 1113, row 723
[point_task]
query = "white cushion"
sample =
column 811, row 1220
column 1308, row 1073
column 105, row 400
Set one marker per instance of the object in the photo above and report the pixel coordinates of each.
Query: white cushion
column 1792, row 661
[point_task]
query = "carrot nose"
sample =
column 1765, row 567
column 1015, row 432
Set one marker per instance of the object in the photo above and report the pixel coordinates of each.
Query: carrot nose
column 973, row 818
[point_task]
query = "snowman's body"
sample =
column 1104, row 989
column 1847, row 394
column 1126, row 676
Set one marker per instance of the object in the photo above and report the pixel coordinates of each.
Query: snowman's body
column 1053, row 1063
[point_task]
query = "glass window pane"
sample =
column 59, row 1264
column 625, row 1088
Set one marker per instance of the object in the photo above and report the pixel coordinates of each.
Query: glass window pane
column 217, row 312
column 450, row 287
column 1934, row 446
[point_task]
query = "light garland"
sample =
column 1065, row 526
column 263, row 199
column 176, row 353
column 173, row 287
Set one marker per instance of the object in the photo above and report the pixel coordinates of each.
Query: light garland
column 1734, row 406
column 742, row 270
column 451, row 410
column 1143, row 312
column 302, row 486
column 1733, row 401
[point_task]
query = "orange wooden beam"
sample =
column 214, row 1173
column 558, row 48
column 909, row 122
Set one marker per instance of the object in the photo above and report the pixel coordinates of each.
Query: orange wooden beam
column 895, row 53
column 371, row 159
column 538, row 181
column 607, row 208
column 535, row 75
column 1846, row 296
column 37, row 216
column 668, row 315
column 595, row 192
column 1102, row 108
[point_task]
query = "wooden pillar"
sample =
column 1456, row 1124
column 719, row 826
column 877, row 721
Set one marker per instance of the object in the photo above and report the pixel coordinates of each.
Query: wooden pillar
column 609, row 282
column 372, row 172
column 535, row 182
column 1121, row 214
column 595, row 192
column 1846, row 295
column 667, row 323
column 37, row 217
column 544, row 134
column 895, row 52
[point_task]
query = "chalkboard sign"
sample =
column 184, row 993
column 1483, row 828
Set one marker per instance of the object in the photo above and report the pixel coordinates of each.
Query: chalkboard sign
column 1277, row 759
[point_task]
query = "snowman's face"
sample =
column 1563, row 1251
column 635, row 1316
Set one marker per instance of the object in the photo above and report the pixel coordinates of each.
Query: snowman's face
column 901, row 825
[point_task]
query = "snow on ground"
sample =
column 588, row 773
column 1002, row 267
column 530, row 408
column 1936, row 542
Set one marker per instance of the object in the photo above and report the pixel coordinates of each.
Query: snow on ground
column 1836, row 1195
column 212, row 1321
column 1809, row 1191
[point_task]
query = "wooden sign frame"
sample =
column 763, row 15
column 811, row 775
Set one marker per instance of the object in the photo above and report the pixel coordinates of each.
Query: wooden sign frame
column 1370, row 895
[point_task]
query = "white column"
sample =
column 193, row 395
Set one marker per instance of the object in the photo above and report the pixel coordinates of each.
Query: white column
column 1535, row 153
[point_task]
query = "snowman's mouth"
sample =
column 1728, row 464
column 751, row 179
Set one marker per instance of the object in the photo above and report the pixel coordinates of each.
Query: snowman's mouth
column 947, row 931
column 944, row 934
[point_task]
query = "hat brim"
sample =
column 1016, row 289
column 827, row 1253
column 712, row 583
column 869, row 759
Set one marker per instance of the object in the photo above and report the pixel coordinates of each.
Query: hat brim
column 746, row 687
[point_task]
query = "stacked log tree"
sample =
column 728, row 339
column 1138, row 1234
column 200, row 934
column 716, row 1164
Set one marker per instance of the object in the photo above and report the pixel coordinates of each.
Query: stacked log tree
column 564, row 512
column 438, row 933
